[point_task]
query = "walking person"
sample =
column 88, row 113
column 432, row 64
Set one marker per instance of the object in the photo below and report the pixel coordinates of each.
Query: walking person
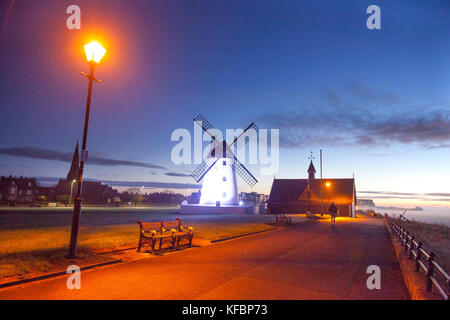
column 332, row 210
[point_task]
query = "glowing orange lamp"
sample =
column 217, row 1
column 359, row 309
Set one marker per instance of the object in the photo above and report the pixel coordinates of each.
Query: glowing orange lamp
column 94, row 53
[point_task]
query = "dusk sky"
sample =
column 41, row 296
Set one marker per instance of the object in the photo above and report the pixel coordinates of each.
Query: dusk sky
column 376, row 101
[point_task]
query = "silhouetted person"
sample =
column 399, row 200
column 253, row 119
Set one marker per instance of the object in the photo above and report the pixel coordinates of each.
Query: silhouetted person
column 308, row 212
column 332, row 210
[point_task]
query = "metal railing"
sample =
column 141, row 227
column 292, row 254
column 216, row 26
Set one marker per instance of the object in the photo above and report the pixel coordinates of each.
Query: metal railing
column 424, row 260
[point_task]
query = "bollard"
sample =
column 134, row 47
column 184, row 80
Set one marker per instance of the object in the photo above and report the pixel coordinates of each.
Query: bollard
column 429, row 273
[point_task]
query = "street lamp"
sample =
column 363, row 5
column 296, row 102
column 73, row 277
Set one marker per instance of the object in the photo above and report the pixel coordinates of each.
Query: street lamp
column 94, row 53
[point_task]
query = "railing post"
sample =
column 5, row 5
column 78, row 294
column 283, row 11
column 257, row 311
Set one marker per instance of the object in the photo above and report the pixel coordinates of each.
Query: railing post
column 406, row 241
column 429, row 273
column 419, row 255
column 411, row 246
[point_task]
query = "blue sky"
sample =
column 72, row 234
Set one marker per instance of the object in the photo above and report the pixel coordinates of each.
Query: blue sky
column 376, row 101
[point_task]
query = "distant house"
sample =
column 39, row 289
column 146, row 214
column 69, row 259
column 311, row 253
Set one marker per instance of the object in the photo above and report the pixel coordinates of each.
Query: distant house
column 18, row 190
column 194, row 198
column 314, row 195
column 252, row 197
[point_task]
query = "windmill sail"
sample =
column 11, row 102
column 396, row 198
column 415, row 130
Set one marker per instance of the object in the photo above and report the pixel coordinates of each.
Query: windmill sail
column 241, row 140
column 244, row 173
column 204, row 124
column 203, row 168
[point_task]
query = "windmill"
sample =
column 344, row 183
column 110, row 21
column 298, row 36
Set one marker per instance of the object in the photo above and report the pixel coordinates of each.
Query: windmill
column 220, row 167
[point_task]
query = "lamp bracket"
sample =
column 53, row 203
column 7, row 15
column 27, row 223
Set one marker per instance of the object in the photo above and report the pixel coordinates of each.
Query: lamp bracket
column 92, row 78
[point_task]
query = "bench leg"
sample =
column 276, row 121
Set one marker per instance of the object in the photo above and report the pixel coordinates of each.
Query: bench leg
column 139, row 245
column 175, row 241
column 153, row 244
column 160, row 243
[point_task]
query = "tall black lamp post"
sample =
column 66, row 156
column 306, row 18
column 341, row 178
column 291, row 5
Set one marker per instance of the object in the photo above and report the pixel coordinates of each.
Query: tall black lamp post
column 94, row 53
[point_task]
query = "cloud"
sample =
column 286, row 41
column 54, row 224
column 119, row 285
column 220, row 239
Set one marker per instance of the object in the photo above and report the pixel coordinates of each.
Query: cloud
column 177, row 174
column 358, row 115
column 431, row 196
column 47, row 154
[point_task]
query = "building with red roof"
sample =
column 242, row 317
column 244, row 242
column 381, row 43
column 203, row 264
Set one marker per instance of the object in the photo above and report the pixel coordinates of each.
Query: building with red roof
column 313, row 195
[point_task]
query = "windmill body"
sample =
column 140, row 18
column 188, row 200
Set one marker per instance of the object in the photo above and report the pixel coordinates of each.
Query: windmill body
column 219, row 183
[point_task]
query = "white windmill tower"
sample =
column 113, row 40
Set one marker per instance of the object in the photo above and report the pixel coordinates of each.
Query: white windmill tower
column 219, row 169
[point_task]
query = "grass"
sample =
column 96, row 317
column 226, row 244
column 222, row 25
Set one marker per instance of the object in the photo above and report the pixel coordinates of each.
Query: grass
column 434, row 237
column 25, row 252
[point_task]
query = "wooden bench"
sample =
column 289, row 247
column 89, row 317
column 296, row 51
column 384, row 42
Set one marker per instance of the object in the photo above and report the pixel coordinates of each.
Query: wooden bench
column 171, row 232
column 282, row 219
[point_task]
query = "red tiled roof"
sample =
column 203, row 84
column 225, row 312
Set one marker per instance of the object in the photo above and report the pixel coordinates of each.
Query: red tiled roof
column 340, row 191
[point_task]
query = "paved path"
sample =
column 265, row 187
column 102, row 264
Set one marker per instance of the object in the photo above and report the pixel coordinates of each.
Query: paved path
column 308, row 261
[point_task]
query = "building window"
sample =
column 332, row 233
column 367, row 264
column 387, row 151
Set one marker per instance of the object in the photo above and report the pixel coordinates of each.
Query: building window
column 224, row 195
column 224, row 178
column 224, row 162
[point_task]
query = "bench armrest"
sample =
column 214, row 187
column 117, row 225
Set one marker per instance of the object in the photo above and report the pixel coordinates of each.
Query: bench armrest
column 191, row 229
column 153, row 232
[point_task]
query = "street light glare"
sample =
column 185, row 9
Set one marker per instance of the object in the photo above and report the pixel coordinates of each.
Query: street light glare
column 327, row 184
column 94, row 51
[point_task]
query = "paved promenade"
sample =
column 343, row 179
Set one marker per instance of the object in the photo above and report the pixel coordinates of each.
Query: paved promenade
column 308, row 261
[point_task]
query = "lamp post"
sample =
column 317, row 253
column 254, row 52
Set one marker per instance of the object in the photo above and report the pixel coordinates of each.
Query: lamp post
column 94, row 53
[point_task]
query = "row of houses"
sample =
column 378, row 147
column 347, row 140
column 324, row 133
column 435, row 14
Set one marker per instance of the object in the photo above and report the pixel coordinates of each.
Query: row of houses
column 22, row 190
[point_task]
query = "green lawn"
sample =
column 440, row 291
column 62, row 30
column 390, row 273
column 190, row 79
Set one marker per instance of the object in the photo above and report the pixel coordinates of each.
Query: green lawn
column 26, row 252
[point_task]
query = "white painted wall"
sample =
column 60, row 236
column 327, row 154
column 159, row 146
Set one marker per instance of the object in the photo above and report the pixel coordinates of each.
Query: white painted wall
column 216, row 189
